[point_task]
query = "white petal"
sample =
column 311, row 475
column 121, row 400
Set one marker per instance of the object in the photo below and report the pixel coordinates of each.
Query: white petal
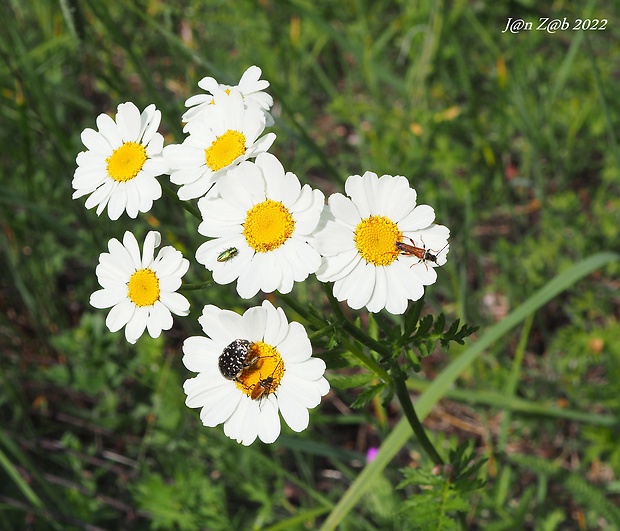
column 235, row 326
column 262, row 144
column 269, row 426
column 101, row 195
column 248, row 284
column 217, row 329
column 198, row 188
column 150, row 120
column 276, row 325
column 131, row 245
column 227, row 404
column 152, row 240
column 379, row 296
column 106, row 298
column 355, row 187
column 133, row 199
column 347, row 288
column 360, row 294
column 420, row 217
column 160, row 319
column 96, row 142
column 397, row 299
column 295, row 346
column 307, row 393
column 334, row 239
column 335, row 268
column 255, row 321
column 310, row 369
column 129, row 122
column 108, row 128
column 198, row 354
column 117, row 203
column 293, row 413
column 120, row 315
column 344, row 210
column 136, row 325
column 175, row 302
column 306, row 221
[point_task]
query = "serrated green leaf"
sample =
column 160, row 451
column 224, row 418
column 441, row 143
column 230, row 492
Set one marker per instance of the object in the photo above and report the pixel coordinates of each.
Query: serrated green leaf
column 453, row 328
column 413, row 360
column 424, row 327
column 338, row 381
column 366, row 396
column 440, row 323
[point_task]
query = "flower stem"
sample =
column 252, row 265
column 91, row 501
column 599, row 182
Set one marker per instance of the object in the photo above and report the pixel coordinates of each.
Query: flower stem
column 412, row 417
column 192, row 287
column 359, row 335
column 302, row 310
column 397, row 376
column 353, row 330
column 324, row 327
column 187, row 206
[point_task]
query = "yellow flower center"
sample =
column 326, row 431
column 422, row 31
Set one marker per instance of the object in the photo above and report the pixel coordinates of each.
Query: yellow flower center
column 268, row 225
column 126, row 161
column 264, row 375
column 143, row 287
column 375, row 238
column 225, row 150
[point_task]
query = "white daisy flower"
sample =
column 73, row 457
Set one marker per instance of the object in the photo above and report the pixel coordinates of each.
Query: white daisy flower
column 140, row 290
column 121, row 163
column 250, row 367
column 220, row 139
column 378, row 247
column 250, row 86
column 261, row 222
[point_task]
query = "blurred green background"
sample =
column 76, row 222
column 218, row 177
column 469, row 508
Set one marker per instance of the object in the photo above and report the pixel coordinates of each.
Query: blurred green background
column 512, row 138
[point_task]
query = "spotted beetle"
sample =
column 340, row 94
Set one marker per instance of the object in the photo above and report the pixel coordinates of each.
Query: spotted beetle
column 235, row 358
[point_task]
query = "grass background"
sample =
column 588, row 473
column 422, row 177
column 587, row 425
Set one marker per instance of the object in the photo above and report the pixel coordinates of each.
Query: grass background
column 512, row 138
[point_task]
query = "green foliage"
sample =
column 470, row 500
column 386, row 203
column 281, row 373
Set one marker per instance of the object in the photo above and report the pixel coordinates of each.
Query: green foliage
column 441, row 493
column 584, row 492
column 191, row 500
column 513, row 140
column 430, row 331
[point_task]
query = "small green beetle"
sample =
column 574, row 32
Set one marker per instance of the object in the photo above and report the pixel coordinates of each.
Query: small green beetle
column 226, row 255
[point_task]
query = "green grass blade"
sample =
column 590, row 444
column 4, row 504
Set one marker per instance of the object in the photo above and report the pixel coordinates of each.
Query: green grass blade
column 299, row 520
column 508, row 402
column 438, row 389
column 13, row 473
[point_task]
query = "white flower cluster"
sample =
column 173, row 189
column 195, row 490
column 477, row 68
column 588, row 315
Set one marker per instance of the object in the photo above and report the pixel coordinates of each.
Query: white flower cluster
column 265, row 231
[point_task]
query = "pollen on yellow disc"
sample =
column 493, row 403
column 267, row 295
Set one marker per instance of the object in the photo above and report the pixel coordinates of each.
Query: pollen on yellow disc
column 143, row 287
column 126, row 161
column 225, row 149
column 375, row 238
column 265, row 374
column 268, row 225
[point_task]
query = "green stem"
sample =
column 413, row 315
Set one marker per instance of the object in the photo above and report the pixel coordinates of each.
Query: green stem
column 353, row 330
column 302, row 310
column 193, row 287
column 412, row 417
column 322, row 331
column 171, row 193
column 363, row 338
column 398, row 377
